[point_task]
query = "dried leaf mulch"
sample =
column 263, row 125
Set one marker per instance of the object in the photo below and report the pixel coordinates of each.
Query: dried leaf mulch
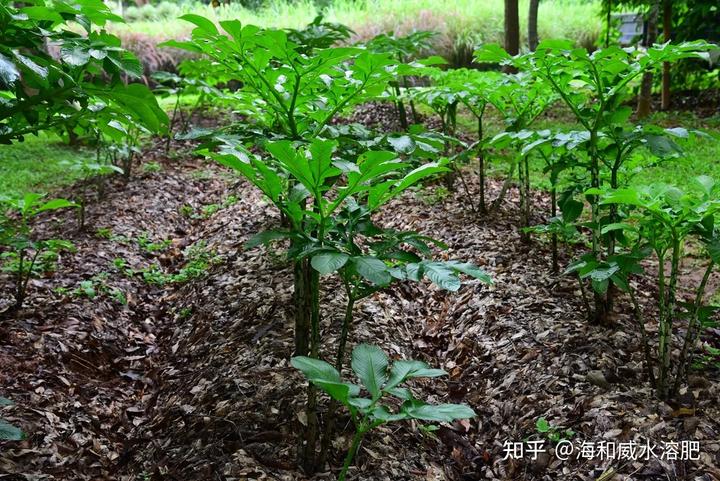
column 228, row 404
column 79, row 360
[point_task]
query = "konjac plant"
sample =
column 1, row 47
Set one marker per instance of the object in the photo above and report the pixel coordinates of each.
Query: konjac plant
column 388, row 402
column 23, row 255
column 663, row 220
column 340, row 236
column 294, row 86
column 39, row 92
column 595, row 88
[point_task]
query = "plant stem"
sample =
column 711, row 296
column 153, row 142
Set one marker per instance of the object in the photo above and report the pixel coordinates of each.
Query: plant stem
column 481, row 164
column 503, row 190
column 670, row 315
column 586, row 302
column 19, row 290
column 351, row 453
column 662, row 326
column 637, row 313
column 691, row 329
column 402, row 114
column 333, row 406
column 554, row 236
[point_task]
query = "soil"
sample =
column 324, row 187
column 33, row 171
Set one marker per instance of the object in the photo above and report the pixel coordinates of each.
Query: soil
column 191, row 380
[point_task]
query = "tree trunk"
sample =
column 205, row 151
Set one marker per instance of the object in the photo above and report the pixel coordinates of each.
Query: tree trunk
column 608, row 22
column 532, row 25
column 644, row 106
column 667, row 36
column 512, row 27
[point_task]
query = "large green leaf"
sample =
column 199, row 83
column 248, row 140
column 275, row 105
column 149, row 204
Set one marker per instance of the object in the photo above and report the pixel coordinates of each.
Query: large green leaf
column 202, row 23
column 265, row 237
column 315, row 369
column 328, row 262
column 340, row 391
column 471, row 270
column 403, row 370
column 438, row 413
column 441, row 274
column 136, row 100
column 9, row 432
column 370, row 364
column 372, row 269
column 56, row 204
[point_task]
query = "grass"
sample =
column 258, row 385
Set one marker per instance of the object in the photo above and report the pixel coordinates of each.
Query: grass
column 701, row 155
column 37, row 164
column 472, row 21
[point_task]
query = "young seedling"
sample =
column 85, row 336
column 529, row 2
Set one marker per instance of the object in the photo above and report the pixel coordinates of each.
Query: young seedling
column 384, row 387
column 553, row 433
column 90, row 172
column 23, row 252
column 195, row 79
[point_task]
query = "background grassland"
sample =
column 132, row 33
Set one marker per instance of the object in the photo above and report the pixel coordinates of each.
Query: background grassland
column 459, row 20
column 39, row 164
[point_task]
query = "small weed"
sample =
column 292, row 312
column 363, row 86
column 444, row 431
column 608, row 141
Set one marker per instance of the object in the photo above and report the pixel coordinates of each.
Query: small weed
column 150, row 247
column 553, row 433
column 204, row 174
column 104, row 233
column 96, row 286
column 199, row 260
column 187, row 211
column 209, row 210
column 151, row 167
column 433, row 196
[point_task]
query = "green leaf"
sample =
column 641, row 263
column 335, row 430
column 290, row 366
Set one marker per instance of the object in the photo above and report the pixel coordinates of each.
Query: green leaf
column 400, row 392
column 75, row 55
column 403, row 144
column 705, row 182
column 382, row 413
column 542, row 425
column 56, row 204
column 442, row 275
column 38, row 70
column 9, row 74
column 328, row 262
column 713, row 249
column 340, row 391
column 617, row 226
column 491, row 53
column 265, row 237
column 315, row 369
column 9, row 432
column 360, row 402
column 372, row 269
column 370, row 364
column 6, row 402
column 438, row 413
column 471, row 270
column 203, row 23
column 403, row 370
